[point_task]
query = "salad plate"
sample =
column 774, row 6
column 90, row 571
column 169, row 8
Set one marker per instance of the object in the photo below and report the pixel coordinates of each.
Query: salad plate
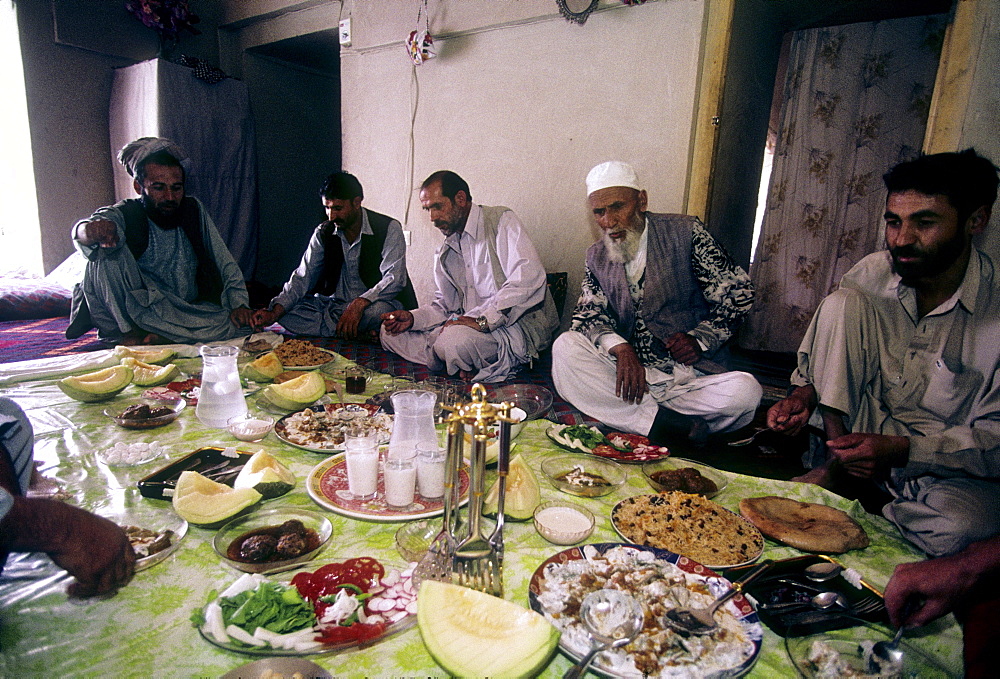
column 291, row 624
column 617, row 446
column 556, row 589
column 327, row 486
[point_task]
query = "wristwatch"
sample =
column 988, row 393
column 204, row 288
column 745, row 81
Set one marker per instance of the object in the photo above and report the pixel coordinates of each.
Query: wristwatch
column 484, row 325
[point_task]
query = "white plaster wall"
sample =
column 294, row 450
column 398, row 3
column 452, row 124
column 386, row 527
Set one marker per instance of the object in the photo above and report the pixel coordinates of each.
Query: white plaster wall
column 522, row 110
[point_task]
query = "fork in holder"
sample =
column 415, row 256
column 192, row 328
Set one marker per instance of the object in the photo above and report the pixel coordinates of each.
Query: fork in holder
column 476, row 564
column 436, row 564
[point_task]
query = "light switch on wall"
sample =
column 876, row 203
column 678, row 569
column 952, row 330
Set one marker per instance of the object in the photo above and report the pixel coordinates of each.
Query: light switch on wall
column 345, row 32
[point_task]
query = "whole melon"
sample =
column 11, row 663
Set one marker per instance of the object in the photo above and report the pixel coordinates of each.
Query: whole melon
column 203, row 502
column 101, row 385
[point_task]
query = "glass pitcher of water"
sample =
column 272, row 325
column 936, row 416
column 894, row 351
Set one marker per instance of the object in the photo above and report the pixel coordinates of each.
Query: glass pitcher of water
column 221, row 395
column 413, row 422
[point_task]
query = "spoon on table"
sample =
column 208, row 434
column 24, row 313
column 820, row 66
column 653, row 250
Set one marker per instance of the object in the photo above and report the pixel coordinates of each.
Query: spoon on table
column 822, row 601
column 700, row 621
column 823, row 571
column 613, row 618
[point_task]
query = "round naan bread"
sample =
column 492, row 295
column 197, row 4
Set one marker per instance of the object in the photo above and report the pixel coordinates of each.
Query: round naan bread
column 804, row 525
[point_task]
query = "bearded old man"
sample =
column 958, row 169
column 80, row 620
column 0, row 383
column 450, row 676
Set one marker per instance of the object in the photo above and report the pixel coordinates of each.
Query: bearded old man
column 659, row 298
column 158, row 270
column 900, row 365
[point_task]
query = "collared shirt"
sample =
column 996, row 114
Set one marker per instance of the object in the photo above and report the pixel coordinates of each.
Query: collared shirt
column 939, row 380
column 463, row 274
column 350, row 286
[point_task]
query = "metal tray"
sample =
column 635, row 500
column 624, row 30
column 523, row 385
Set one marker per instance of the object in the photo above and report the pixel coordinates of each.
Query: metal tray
column 210, row 462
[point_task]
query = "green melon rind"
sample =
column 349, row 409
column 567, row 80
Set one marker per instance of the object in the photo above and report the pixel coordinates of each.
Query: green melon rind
column 297, row 393
column 101, row 385
column 146, row 355
column 203, row 502
column 266, row 475
column 144, row 377
column 472, row 634
column 264, row 369
column 522, row 493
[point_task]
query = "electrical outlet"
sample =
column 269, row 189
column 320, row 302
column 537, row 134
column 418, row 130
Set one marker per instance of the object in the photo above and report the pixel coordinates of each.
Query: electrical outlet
column 345, row 32
column 406, row 238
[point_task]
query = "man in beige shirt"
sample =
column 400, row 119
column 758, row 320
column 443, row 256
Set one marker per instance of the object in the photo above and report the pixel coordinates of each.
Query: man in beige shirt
column 900, row 364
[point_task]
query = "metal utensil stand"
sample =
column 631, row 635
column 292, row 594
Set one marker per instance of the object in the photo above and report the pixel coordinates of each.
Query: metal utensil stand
column 461, row 554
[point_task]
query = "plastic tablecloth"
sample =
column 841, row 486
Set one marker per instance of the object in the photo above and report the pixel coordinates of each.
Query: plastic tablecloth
column 145, row 629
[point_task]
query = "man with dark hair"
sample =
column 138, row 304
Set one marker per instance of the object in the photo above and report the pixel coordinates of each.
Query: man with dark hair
column 158, row 270
column 492, row 310
column 659, row 299
column 900, row 364
column 353, row 271
column 93, row 549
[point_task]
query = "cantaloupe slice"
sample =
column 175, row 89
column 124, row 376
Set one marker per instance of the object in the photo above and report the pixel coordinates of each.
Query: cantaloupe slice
column 264, row 369
column 158, row 355
column 472, row 634
column 522, row 492
column 298, row 393
column 203, row 502
column 266, row 475
column 97, row 386
column 149, row 375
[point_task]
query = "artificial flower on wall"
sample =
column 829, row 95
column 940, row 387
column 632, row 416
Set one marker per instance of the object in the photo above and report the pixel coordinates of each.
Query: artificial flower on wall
column 420, row 43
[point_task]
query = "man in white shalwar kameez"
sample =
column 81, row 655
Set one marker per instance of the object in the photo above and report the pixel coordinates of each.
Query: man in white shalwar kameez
column 659, row 298
column 157, row 268
column 492, row 310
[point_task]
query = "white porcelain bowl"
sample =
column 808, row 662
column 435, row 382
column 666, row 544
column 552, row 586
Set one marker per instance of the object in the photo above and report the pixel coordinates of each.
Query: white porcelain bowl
column 563, row 523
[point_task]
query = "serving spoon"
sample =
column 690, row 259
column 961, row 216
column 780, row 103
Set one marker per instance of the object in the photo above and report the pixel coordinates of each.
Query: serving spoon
column 613, row 618
column 701, row 621
column 823, row 571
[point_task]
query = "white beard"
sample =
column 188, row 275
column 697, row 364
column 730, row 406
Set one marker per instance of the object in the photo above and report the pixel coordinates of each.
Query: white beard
column 622, row 252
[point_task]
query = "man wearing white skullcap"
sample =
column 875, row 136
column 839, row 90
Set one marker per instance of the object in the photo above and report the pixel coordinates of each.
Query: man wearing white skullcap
column 659, row 299
column 158, row 270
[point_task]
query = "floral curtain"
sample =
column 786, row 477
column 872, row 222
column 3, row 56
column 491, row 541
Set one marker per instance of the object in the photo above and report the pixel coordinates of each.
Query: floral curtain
column 856, row 103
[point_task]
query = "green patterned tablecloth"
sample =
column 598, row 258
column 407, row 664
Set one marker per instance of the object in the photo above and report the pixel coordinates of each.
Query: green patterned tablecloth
column 145, row 630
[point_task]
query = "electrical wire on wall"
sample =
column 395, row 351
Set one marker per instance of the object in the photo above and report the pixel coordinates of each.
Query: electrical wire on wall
column 411, row 151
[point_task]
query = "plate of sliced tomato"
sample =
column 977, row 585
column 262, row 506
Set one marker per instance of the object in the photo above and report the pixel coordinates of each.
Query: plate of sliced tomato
column 617, row 446
column 344, row 604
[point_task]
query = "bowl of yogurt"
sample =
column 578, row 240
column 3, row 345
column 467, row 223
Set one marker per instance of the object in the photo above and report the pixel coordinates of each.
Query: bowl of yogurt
column 562, row 522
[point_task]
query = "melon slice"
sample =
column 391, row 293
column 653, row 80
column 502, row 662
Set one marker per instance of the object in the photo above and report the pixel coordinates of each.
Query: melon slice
column 203, row 502
column 266, row 475
column 523, row 492
column 264, row 369
column 150, row 375
column 472, row 634
column 158, row 355
column 97, row 386
column 298, row 393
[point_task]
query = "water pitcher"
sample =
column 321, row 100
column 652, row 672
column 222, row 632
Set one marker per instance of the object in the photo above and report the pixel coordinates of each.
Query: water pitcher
column 413, row 422
column 221, row 395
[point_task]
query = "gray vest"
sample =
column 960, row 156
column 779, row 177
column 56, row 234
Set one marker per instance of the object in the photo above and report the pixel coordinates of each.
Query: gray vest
column 539, row 322
column 672, row 300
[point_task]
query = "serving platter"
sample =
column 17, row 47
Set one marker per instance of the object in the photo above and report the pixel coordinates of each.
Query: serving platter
column 327, row 486
column 219, row 464
column 574, row 641
column 629, row 518
column 313, row 366
column 273, row 651
column 333, row 444
column 642, row 453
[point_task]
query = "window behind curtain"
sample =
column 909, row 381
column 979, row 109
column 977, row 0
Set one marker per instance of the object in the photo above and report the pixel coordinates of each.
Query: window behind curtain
column 20, row 236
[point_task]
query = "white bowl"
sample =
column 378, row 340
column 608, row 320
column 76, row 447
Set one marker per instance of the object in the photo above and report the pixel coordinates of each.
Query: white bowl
column 555, row 521
column 250, row 427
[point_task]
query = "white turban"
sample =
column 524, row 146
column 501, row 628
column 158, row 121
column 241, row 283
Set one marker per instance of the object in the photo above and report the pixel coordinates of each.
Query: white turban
column 133, row 153
column 612, row 173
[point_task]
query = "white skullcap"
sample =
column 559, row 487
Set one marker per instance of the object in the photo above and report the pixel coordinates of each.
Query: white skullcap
column 612, row 173
column 133, row 153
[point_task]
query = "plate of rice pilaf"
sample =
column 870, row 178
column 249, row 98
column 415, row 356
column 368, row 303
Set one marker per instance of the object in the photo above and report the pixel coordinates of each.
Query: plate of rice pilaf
column 691, row 525
column 297, row 354
column 659, row 580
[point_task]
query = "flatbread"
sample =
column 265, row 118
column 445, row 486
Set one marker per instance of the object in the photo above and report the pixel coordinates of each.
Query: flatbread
column 804, row 525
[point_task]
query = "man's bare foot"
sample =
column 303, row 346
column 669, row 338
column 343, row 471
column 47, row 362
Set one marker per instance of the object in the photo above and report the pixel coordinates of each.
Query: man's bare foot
column 465, row 375
column 820, row 476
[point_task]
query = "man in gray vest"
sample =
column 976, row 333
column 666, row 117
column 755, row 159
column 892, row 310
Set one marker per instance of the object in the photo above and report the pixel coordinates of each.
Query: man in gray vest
column 492, row 310
column 158, row 270
column 659, row 298
column 353, row 271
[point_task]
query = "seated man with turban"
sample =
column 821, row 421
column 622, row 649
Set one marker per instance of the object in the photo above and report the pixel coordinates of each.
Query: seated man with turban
column 158, row 270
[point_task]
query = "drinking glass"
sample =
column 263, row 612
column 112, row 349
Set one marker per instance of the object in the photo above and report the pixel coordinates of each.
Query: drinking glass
column 361, row 452
column 400, row 481
column 430, row 470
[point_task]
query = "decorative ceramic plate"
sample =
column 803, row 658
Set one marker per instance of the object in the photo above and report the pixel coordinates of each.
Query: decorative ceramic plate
column 327, row 486
column 674, row 521
column 331, row 439
column 731, row 660
column 408, row 621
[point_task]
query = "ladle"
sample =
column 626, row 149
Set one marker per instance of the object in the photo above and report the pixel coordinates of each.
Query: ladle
column 613, row 618
column 699, row 621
